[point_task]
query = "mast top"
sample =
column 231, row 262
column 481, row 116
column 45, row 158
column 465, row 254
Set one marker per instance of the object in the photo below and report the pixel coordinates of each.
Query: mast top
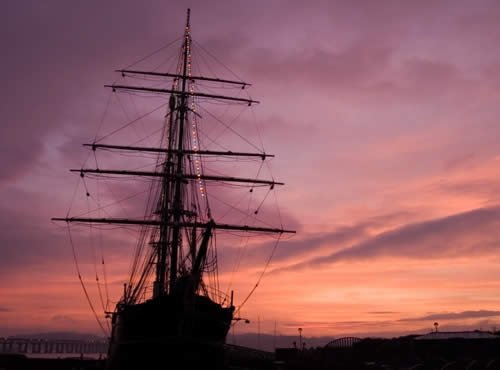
column 188, row 16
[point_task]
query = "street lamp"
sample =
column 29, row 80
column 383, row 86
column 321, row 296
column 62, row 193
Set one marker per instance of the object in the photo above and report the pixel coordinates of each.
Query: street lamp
column 300, row 338
column 237, row 319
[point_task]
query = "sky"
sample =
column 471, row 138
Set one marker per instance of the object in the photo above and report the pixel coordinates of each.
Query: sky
column 383, row 116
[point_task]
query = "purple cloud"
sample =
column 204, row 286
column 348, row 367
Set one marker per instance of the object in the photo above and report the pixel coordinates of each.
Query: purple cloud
column 455, row 315
column 469, row 233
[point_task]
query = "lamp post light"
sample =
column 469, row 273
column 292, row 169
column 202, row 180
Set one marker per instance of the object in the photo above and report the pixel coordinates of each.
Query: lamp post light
column 237, row 319
column 300, row 339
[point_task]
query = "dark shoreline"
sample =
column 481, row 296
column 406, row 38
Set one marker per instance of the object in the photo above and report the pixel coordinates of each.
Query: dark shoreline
column 429, row 352
column 13, row 361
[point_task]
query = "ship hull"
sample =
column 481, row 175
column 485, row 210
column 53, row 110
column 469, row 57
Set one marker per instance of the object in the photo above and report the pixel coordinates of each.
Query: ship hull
column 165, row 331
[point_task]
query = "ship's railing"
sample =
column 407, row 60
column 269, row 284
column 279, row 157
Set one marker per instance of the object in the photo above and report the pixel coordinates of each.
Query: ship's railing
column 215, row 294
column 218, row 296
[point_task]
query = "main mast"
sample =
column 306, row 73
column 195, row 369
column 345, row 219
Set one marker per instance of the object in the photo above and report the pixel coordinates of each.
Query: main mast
column 178, row 205
column 172, row 214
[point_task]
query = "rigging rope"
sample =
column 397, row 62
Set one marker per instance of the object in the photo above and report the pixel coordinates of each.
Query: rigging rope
column 103, row 115
column 154, row 52
column 137, row 114
column 230, row 128
column 129, row 123
column 100, row 242
column 260, row 277
column 94, row 255
column 257, row 127
column 216, row 59
column 83, row 284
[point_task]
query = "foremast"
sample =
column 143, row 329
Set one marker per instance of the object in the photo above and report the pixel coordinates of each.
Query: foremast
column 173, row 214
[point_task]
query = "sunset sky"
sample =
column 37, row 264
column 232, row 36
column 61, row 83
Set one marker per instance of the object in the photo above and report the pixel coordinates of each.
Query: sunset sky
column 384, row 119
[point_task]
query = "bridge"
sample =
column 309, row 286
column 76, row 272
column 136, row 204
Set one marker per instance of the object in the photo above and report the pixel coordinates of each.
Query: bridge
column 345, row 342
column 52, row 346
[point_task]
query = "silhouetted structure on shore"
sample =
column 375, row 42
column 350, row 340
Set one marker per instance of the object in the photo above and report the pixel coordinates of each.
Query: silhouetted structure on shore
column 437, row 350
